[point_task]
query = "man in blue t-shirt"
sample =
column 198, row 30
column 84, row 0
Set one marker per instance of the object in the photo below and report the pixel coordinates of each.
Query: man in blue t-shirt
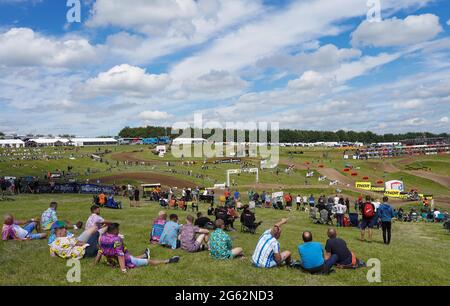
column 311, row 254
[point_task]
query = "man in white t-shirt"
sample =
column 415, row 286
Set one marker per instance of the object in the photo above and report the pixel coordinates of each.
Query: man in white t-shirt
column 267, row 253
column 95, row 220
column 436, row 214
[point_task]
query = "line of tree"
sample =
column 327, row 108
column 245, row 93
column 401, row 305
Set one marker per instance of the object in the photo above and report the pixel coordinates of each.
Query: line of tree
column 285, row 135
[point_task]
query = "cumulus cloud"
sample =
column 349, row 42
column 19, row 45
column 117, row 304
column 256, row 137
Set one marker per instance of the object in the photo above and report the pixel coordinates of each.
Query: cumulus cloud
column 24, row 47
column 154, row 115
column 127, row 80
column 410, row 104
column 444, row 120
column 397, row 32
column 310, row 80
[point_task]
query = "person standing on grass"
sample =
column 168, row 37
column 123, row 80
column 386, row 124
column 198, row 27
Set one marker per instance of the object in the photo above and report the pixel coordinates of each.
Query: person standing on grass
column 137, row 197
column 299, row 201
column 189, row 240
column 221, row 245
column 368, row 215
column 114, row 249
column 267, row 253
column 386, row 214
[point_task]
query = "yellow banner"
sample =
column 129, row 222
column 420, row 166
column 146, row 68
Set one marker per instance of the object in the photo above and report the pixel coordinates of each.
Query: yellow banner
column 377, row 189
column 392, row 193
column 363, row 185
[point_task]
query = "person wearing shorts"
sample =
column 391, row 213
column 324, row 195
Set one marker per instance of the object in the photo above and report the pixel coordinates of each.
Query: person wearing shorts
column 113, row 248
column 367, row 222
column 19, row 230
column 267, row 253
column 193, row 238
column 221, row 245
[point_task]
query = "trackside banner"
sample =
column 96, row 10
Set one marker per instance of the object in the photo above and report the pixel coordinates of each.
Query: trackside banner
column 96, row 189
column 363, row 185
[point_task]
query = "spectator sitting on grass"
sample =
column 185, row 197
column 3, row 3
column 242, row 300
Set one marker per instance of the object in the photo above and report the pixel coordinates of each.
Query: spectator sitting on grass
column 49, row 217
column 158, row 227
column 95, row 220
column 267, row 253
column 221, row 245
column 169, row 236
column 312, row 256
column 114, row 249
column 202, row 221
column 13, row 230
column 189, row 240
column 68, row 247
column 248, row 219
column 337, row 253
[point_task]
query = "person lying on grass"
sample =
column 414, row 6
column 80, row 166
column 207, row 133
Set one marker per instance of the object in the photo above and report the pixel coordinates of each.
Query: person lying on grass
column 189, row 240
column 21, row 230
column 169, row 236
column 115, row 251
column 66, row 245
column 221, row 245
column 49, row 217
column 267, row 253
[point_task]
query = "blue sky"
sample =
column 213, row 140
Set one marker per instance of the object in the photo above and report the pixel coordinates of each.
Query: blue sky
column 308, row 64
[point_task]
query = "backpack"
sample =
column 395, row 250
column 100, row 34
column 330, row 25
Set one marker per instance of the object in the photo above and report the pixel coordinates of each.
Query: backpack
column 368, row 210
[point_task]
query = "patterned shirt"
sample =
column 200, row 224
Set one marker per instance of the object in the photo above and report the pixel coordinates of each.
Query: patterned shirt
column 112, row 246
column 267, row 247
column 220, row 244
column 11, row 232
column 48, row 218
column 188, row 238
column 66, row 247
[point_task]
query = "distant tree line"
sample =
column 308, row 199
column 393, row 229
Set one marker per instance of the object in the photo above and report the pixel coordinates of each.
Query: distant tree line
column 285, row 135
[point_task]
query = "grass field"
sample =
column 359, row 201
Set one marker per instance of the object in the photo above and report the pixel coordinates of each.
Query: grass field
column 418, row 254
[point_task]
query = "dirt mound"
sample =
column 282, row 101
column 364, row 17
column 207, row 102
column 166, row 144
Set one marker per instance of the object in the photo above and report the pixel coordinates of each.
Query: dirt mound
column 437, row 178
column 151, row 178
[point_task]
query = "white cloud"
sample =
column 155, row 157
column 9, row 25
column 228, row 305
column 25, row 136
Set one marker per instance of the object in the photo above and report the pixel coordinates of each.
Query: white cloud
column 444, row 120
column 410, row 104
column 127, row 80
column 448, row 22
column 397, row 32
column 154, row 115
column 310, row 80
column 24, row 47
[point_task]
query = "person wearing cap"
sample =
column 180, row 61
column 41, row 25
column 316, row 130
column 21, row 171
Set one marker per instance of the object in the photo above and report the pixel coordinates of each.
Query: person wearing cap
column 20, row 230
column 113, row 248
column 49, row 217
column 67, row 246
column 267, row 253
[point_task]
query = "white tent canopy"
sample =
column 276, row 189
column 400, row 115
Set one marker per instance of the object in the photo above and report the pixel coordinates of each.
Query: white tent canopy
column 11, row 143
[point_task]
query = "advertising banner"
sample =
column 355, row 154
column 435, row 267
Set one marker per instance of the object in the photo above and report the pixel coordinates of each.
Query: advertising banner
column 95, row 189
column 363, row 185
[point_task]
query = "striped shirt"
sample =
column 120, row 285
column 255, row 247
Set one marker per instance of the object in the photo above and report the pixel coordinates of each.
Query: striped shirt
column 267, row 247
